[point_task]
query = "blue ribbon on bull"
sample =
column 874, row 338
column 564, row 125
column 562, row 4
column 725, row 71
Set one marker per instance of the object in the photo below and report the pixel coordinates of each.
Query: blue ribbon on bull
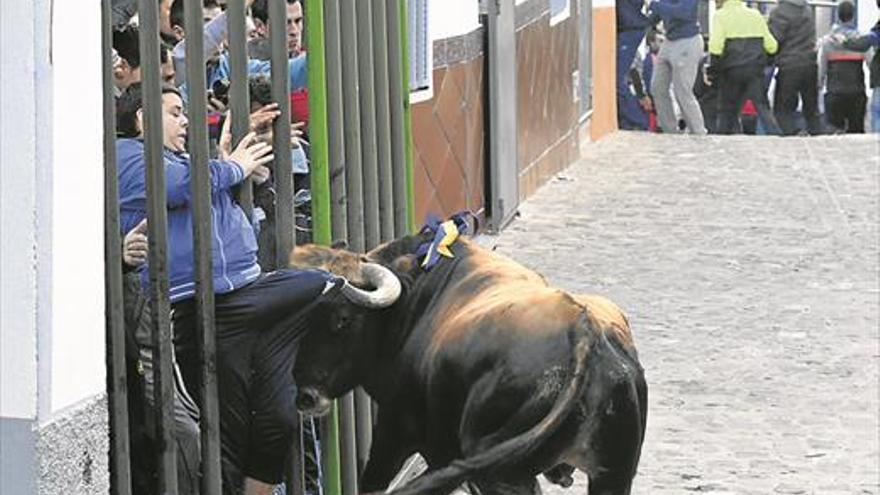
column 445, row 234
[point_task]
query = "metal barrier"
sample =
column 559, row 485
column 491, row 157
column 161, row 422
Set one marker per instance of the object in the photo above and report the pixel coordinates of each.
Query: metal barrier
column 361, row 184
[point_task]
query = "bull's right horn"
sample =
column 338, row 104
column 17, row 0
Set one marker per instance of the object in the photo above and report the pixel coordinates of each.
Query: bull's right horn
column 386, row 283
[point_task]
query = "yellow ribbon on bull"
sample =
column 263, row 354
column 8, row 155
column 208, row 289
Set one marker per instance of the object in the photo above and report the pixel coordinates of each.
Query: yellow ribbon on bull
column 441, row 246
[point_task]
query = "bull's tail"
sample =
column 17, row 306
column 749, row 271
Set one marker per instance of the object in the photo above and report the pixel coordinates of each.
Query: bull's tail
column 511, row 451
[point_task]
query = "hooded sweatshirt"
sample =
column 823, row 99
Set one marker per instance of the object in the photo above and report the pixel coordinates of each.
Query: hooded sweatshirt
column 794, row 28
column 630, row 16
column 234, row 241
column 679, row 17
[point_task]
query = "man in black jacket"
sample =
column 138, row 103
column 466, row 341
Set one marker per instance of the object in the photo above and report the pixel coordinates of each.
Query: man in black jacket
column 841, row 70
column 794, row 28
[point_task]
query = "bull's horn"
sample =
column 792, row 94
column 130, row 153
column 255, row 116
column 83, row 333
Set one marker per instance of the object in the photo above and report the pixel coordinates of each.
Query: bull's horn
column 386, row 283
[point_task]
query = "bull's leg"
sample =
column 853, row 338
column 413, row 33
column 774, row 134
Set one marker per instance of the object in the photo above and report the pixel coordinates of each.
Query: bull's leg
column 391, row 447
column 609, row 485
column 522, row 486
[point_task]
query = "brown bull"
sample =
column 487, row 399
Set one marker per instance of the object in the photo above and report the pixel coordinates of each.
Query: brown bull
column 480, row 366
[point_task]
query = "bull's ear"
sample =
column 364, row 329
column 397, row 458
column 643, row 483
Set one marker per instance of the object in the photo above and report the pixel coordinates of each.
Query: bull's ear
column 339, row 244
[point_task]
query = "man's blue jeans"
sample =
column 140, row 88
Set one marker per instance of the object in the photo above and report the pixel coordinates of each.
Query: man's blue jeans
column 629, row 114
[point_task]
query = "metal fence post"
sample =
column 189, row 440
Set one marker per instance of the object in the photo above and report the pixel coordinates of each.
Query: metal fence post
column 282, row 165
column 407, row 117
column 158, row 258
column 200, row 192
column 335, row 130
column 320, row 188
column 368, row 123
column 396, row 101
column 338, row 214
column 354, row 191
column 239, row 97
column 318, row 122
column 120, row 449
column 383, row 120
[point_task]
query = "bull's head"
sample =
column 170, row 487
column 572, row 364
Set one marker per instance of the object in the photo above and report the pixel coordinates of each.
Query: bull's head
column 347, row 331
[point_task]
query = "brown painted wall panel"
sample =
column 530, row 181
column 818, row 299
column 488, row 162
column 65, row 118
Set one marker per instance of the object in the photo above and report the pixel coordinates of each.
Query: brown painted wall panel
column 448, row 136
column 546, row 111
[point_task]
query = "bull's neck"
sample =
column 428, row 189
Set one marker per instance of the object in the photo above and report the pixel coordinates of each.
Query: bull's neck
column 408, row 328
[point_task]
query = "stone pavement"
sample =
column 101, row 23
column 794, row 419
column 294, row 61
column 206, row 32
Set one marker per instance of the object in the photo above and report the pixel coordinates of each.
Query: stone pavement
column 749, row 269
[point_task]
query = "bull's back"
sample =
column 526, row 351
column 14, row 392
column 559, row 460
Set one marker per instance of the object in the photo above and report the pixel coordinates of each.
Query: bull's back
column 494, row 297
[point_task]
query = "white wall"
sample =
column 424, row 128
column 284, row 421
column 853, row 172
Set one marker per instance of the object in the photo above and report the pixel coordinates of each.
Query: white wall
column 77, row 259
column 18, row 338
column 449, row 18
column 868, row 13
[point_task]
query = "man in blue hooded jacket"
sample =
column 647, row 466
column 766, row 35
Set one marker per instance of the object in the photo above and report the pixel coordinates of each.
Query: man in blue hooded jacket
column 259, row 317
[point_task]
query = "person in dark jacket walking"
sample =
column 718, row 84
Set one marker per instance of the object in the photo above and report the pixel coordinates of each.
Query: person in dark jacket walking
column 631, row 27
column 739, row 43
column 793, row 26
column 862, row 44
column 677, row 64
column 842, row 72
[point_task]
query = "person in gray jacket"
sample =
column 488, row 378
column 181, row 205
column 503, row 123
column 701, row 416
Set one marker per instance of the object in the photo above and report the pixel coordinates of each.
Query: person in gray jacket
column 793, row 26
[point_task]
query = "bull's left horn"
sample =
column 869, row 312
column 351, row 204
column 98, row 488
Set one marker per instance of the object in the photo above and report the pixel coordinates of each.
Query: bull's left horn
column 386, row 283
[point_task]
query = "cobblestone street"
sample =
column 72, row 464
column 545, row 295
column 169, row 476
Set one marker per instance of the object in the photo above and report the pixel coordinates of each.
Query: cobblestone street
column 749, row 269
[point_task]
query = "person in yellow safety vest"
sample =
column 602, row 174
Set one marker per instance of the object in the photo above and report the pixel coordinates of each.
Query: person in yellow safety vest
column 739, row 45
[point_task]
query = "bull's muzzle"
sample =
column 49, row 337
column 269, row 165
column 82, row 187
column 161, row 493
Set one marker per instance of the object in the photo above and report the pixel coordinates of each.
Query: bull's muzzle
column 311, row 402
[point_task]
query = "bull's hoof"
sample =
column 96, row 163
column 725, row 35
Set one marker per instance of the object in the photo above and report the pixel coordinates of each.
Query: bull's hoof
column 560, row 475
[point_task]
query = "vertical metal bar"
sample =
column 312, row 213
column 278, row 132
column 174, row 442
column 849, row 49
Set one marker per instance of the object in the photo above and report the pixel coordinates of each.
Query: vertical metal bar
column 407, row 118
column 348, row 446
column 158, row 259
column 354, row 185
column 320, row 188
column 338, row 214
column 363, row 407
column 330, row 456
column 200, row 194
column 368, row 123
column 396, row 97
column 320, row 177
column 295, row 483
column 283, row 166
column 335, row 136
column 120, row 450
column 383, row 120
column 239, row 98
column 370, row 172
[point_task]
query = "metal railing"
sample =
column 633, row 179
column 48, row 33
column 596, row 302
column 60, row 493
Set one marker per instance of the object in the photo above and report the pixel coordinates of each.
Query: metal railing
column 361, row 184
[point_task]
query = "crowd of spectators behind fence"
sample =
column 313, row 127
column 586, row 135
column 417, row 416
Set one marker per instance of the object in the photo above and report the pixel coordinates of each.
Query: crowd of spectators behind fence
column 723, row 83
column 718, row 85
column 256, row 388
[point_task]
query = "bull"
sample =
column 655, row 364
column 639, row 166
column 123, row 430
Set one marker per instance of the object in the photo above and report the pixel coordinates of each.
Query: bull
column 480, row 366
